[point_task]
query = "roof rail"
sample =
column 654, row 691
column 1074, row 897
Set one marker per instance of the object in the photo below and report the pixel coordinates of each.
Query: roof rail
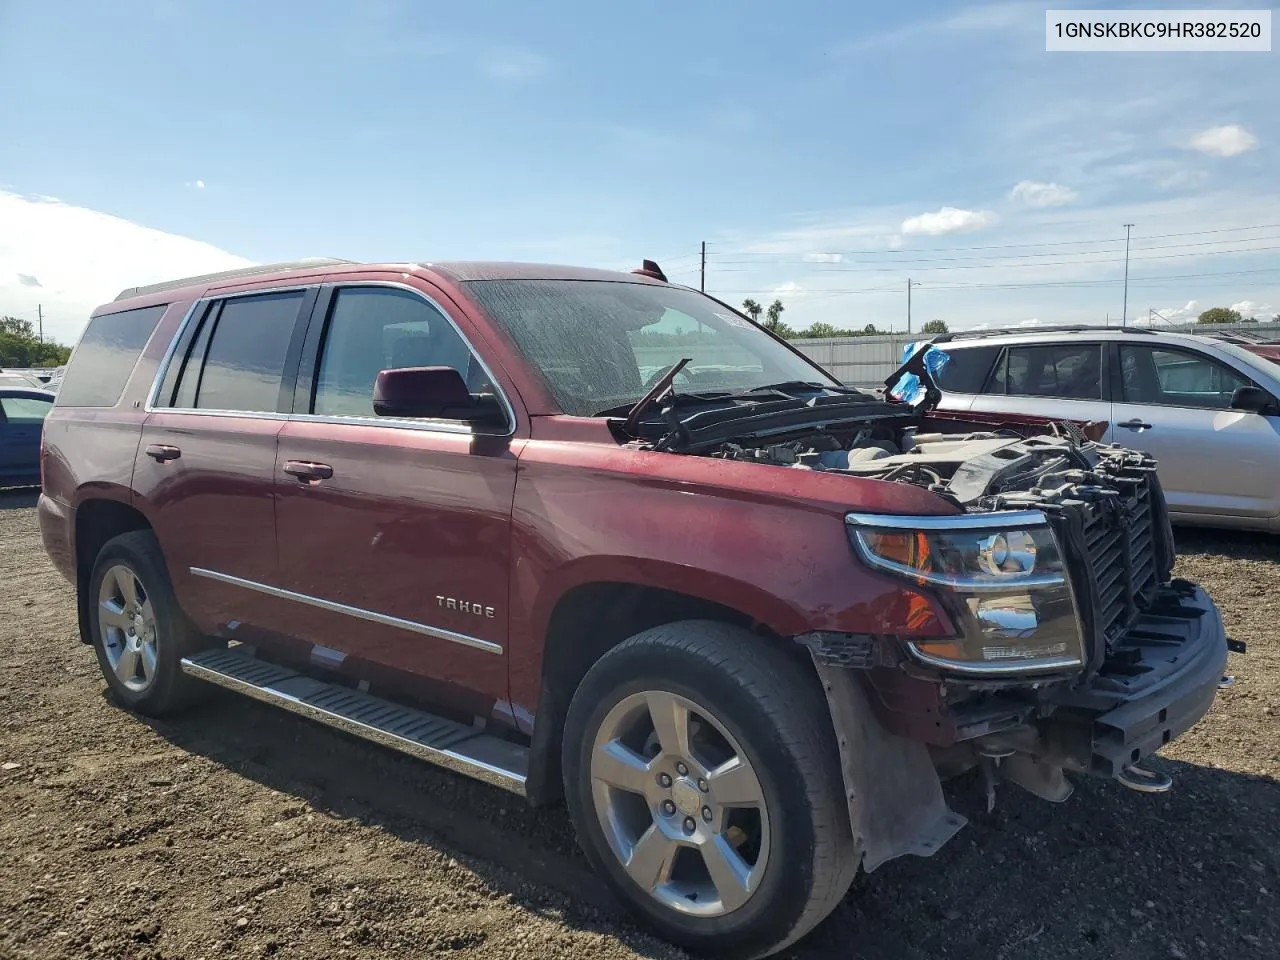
column 1049, row 328
column 254, row 270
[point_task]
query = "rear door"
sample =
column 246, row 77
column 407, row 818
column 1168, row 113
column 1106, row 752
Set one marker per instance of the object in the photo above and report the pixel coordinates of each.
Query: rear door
column 396, row 546
column 1053, row 381
column 966, row 372
column 206, row 464
column 1174, row 403
column 22, row 416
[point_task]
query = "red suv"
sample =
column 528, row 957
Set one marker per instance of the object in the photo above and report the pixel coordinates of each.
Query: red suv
column 594, row 535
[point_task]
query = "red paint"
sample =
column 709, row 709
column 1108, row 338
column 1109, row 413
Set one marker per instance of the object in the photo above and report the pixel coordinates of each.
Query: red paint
column 411, row 519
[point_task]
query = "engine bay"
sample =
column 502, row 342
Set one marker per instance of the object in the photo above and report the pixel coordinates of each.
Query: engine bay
column 976, row 471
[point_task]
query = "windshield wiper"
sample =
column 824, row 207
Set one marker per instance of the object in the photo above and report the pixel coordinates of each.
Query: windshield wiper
column 656, row 393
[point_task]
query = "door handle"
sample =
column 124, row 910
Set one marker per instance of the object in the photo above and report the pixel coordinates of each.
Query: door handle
column 163, row 452
column 308, row 472
column 1135, row 424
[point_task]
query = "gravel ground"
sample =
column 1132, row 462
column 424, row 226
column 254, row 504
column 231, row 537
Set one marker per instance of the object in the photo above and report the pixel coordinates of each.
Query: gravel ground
column 241, row 831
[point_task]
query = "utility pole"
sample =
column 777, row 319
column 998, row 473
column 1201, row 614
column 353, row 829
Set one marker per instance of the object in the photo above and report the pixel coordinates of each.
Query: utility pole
column 702, row 279
column 910, row 283
column 40, row 321
column 1124, row 316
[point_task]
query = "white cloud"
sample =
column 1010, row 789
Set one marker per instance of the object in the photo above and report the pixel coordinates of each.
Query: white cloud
column 1173, row 314
column 948, row 220
column 1252, row 308
column 514, row 65
column 1224, row 141
column 27, row 280
column 1033, row 322
column 824, row 257
column 83, row 257
column 198, row 184
column 1033, row 193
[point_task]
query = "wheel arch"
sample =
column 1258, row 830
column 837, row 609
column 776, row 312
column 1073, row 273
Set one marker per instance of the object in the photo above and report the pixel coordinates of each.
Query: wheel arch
column 98, row 519
column 593, row 617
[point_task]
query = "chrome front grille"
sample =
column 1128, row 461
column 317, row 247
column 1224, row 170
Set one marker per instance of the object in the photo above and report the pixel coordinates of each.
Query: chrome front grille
column 1120, row 543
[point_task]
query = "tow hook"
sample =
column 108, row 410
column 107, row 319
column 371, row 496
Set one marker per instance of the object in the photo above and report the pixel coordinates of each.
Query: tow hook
column 1144, row 781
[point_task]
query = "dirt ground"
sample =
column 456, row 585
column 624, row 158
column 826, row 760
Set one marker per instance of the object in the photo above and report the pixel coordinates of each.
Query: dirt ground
column 241, row 831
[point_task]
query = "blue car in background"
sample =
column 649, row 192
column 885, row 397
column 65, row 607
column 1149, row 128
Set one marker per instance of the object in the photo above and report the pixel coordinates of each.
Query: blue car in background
column 22, row 413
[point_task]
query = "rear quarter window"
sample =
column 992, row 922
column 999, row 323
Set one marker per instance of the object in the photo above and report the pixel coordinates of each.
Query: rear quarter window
column 106, row 355
column 967, row 369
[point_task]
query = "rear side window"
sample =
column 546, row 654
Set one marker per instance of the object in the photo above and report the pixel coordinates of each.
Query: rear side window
column 1061, row 371
column 966, row 370
column 25, row 409
column 106, row 355
column 237, row 359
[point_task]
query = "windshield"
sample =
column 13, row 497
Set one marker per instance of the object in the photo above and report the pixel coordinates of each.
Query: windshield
column 599, row 344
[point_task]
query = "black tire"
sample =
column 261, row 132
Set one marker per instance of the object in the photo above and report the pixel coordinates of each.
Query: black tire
column 168, row 689
column 776, row 710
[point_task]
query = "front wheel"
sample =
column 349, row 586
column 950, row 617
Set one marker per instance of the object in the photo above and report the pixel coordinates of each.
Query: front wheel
column 703, row 779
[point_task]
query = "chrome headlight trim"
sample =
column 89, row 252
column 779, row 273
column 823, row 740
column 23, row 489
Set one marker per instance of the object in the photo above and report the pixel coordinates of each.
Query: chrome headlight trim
column 999, row 520
column 860, row 524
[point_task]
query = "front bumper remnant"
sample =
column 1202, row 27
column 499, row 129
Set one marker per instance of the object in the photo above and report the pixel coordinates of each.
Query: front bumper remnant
column 893, row 792
column 1159, row 680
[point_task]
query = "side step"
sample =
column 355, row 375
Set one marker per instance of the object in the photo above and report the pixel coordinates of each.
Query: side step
column 424, row 735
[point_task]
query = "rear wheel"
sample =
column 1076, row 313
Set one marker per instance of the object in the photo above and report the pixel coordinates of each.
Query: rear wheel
column 702, row 776
column 138, row 630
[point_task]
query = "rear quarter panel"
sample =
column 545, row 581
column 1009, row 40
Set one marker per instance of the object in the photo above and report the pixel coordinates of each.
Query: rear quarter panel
column 90, row 452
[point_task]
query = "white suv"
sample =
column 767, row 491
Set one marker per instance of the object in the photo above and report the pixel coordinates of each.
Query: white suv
column 1205, row 408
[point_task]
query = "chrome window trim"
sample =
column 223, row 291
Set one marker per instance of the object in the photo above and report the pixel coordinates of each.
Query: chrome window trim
column 149, row 405
column 456, row 427
column 437, row 633
column 447, row 426
column 204, row 301
column 442, row 426
column 959, row 521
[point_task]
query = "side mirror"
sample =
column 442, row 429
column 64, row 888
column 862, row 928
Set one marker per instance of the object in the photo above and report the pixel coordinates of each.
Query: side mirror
column 1251, row 400
column 436, row 392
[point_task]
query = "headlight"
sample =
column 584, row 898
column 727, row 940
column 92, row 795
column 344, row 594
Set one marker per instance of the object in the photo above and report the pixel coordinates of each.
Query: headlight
column 1001, row 576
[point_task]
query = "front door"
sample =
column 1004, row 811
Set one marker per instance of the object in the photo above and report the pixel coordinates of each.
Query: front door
column 206, row 463
column 394, row 534
column 1174, row 404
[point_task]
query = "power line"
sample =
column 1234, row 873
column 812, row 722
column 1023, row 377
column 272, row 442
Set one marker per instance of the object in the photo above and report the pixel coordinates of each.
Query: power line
column 895, row 265
column 1044, row 284
column 835, row 267
column 1013, row 246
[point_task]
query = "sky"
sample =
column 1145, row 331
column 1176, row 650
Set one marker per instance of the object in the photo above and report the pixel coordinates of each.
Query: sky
column 826, row 153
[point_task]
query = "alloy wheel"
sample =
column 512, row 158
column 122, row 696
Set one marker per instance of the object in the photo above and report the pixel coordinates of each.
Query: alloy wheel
column 680, row 804
column 127, row 625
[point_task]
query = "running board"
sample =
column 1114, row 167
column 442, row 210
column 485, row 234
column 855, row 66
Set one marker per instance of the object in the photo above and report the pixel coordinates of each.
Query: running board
column 444, row 742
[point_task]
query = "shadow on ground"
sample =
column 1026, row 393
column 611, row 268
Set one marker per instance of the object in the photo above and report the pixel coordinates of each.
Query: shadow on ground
column 1230, row 544
column 1110, row 873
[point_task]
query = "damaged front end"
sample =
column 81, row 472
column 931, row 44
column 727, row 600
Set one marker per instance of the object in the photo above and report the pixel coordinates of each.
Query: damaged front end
column 1070, row 648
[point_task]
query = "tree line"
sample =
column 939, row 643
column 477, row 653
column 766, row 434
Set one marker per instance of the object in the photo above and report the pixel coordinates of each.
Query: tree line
column 1227, row 315
column 20, row 346
column 821, row 330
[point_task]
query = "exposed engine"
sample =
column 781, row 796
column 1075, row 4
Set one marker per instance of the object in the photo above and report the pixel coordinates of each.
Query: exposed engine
column 976, row 471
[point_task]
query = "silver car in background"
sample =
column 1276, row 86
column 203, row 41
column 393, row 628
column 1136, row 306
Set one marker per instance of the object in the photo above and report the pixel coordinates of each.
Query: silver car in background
column 1206, row 408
